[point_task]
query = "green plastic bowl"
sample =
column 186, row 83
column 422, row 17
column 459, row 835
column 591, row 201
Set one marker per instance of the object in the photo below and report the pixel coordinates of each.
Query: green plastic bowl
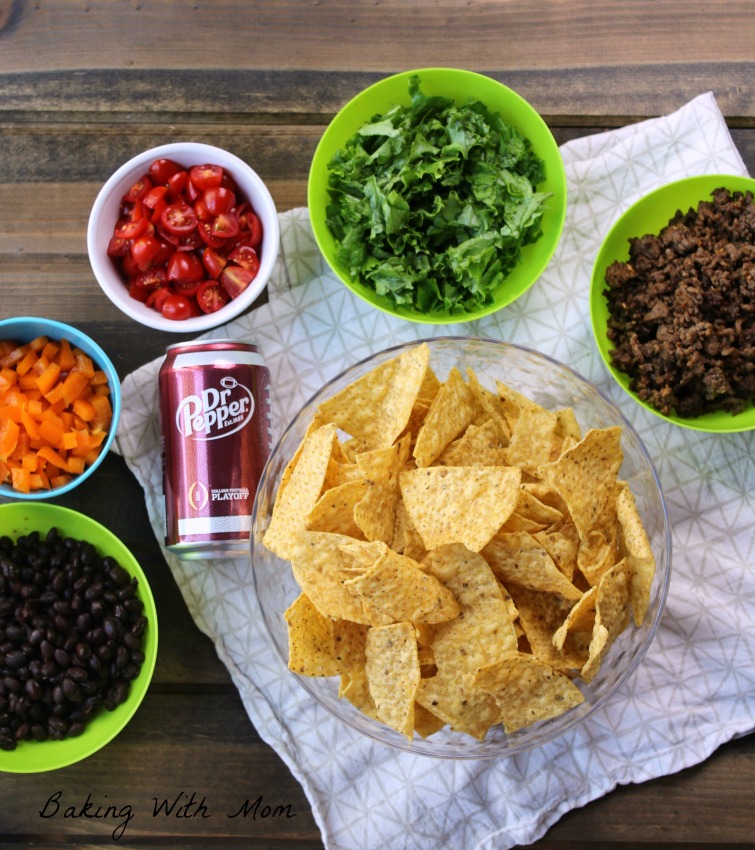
column 650, row 215
column 20, row 518
column 459, row 85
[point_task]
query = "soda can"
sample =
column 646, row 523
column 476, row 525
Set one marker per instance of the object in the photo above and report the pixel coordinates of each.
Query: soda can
column 216, row 433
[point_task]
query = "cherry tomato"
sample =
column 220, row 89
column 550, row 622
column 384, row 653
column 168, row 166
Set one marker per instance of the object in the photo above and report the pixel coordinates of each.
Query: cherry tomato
column 245, row 256
column 130, row 229
column 144, row 250
column 152, row 198
column 138, row 190
column 213, row 261
column 179, row 218
column 219, row 200
column 118, row 247
column 225, row 226
column 188, row 288
column 211, row 296
column 235, row 279
column 157, row 298
column 204, row 229
column 143, row 284
column 185, row 267
column 162, row 170
column 177, row 184
column 206, row 176
column 176, row 307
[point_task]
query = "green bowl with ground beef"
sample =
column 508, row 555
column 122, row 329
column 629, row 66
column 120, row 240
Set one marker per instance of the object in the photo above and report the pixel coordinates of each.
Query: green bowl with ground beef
column 668, row 302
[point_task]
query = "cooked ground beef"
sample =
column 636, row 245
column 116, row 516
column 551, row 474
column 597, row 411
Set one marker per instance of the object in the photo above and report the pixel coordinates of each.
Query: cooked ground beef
column 682, row 309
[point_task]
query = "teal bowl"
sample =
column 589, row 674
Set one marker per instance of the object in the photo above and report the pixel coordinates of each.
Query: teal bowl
column 22, row 518
column 26, row 328
column 650, row 214
column 459, row 85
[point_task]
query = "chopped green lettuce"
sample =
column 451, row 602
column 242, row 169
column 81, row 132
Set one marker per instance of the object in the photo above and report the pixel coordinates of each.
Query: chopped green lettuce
column 431, row 203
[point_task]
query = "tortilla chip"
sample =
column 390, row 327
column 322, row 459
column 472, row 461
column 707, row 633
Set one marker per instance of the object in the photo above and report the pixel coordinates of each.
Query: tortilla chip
column 585, row 475
column 611, row 616
column 302, row 492
column 316, row 559
column 492, row 406
column 635, row 546
column 520, row 559
column 311, row 641
column 392, row 669
column 457, row 704
column 540, row 615
column 581, row 618
column 425, row 722
column 395, row 589
column 562, row 544
column 376, row 407
column 526, row 690
column 484, row 628
column 438, row 500
column 334, row 510
column 532, row 438
column 453, row 408
column 479, row 445
column 375, row 514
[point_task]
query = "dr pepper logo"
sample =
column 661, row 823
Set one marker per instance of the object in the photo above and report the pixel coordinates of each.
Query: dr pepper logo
column 215, row 413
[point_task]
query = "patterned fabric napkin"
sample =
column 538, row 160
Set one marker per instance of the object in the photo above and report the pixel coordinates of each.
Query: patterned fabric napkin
column 696, row 687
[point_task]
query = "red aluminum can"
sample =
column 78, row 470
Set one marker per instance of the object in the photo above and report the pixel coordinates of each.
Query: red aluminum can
column 216, row 428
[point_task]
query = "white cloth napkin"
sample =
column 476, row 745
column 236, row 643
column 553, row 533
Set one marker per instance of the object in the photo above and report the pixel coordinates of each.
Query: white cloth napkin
column 696, row 687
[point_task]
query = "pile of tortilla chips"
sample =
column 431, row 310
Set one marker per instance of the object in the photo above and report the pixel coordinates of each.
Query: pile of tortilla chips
column 463, row 553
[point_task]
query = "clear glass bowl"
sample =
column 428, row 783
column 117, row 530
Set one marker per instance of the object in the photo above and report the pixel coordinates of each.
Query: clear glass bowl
column 554, row 386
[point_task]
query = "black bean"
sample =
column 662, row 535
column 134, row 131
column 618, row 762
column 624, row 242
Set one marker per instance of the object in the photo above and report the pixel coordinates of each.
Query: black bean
column 71, row 627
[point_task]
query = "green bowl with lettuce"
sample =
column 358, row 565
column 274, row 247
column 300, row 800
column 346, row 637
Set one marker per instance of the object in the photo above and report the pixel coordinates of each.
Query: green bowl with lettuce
column 437, row 195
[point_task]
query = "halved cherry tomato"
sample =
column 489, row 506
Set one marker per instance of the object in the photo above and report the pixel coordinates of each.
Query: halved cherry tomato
column 157, row 298
column 144, row 250
column 211, row 296
column 235, row 279
column 161, row 170
column 154, row 196
column 245, row 256
column 206, row 176
column 185, row 267
column 118, row 246
column 225, row 226
column 177, row 183
column 131, row 228
column 213, row 261
column 204, row 229
column 188, row 288
column 219, row 200
column 179, row 218
column 138, row 190
column 176, row 307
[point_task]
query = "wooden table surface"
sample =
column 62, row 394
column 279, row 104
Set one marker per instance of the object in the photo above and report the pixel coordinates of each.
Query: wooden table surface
column 83, row 87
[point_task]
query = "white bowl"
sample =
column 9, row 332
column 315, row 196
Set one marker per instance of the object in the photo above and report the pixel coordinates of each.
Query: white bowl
column 104, row 215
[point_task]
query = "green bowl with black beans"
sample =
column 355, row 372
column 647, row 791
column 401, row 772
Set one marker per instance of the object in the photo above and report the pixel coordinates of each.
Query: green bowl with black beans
column 671, row 297
column 78, row 636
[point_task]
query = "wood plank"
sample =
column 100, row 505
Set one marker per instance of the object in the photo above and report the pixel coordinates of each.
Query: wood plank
column 200, row 744
column 342, row 34
column 204, row 744
column 579, row 94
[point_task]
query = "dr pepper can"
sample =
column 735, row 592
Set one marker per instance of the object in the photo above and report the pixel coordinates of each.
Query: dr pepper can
column 216, row 430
